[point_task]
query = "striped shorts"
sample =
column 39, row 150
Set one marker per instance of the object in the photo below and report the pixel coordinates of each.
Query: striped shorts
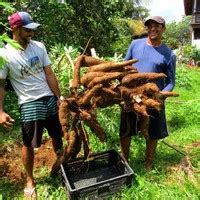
column 39, row 109
column 37, row 115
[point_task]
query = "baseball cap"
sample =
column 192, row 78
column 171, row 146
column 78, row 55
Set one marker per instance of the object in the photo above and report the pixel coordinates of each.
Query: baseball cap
column 23, row 19
column 157, row 19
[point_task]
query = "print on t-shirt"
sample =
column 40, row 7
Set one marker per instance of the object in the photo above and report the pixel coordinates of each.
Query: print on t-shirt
column 32, row 67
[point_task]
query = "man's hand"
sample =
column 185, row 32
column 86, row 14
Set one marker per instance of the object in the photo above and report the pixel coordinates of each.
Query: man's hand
column 5, row 120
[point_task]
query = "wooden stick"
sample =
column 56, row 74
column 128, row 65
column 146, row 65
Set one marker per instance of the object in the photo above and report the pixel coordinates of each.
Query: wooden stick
column 87, row 45
column 69, row 58
column 173, row 147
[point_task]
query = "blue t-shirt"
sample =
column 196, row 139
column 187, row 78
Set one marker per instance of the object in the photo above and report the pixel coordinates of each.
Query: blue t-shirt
column 154, row 59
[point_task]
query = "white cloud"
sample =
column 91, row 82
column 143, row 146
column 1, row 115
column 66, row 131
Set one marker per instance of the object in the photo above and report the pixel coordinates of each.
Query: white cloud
column 171, row 10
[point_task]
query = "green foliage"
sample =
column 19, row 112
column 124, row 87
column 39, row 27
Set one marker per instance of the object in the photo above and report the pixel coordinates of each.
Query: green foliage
column 4, row 38
column 152, row 189
column 5, row 10
column 74, row 22
column 62, row 66
column 124, row 36
column 109, row 119
column 186, row 112
column 183, row 78
column 188, row 53
column 7, row 39
column 2, row 62
column 6, row 6
column 184, row 115
column 50, row 188
column 172, row 36
column 11, row 106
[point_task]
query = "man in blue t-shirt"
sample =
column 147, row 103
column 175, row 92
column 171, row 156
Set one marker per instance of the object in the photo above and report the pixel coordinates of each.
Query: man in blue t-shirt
column 152, row 56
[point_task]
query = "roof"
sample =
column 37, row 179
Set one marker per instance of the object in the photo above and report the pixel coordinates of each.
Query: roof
column 188, row 7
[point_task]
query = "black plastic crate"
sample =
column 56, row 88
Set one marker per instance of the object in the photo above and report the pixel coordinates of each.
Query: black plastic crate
column 98, row 177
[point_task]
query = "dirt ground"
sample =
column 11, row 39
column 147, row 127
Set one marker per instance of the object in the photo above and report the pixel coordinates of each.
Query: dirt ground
column 11, row 165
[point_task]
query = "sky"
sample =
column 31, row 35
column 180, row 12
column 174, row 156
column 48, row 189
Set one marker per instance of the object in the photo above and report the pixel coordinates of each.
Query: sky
column 170, row 10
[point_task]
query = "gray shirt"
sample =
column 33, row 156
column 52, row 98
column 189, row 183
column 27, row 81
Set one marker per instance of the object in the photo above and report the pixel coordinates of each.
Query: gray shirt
column 25, row 69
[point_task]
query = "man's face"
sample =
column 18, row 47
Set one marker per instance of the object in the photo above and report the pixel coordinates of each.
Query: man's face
column 24, row 35
column 155, row 30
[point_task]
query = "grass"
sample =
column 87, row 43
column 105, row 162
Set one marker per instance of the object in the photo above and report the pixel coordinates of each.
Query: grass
column 168, row 181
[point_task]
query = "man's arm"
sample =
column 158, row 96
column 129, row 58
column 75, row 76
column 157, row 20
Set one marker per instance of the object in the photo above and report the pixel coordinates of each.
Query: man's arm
column 128, row 55
column 52, row 80
column 5, row 120
column 171, row 74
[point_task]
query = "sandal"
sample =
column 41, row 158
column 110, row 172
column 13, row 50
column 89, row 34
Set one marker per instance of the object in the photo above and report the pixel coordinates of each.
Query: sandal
column 30, row 193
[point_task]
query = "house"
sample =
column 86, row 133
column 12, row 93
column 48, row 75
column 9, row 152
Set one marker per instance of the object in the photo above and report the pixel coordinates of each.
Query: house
column 192, row 7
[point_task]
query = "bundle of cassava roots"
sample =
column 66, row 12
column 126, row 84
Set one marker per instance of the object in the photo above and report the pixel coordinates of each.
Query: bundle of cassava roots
column 104, row 84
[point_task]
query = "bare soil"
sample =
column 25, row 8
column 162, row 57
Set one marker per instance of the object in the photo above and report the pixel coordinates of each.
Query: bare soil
column 11, row 167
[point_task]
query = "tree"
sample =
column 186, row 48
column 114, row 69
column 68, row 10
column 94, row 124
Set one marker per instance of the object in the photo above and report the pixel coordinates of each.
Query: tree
column 74, row 22
column 177, row 34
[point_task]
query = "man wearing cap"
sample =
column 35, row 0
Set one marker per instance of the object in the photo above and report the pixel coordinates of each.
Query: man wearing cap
column 29, row 71
column 152, row 56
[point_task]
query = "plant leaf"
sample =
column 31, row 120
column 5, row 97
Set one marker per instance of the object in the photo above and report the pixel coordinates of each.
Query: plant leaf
column 12, row 42
column 7, row 6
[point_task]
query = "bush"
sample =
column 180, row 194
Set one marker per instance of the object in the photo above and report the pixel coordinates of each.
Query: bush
column 188, row 54
column 183, row 79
